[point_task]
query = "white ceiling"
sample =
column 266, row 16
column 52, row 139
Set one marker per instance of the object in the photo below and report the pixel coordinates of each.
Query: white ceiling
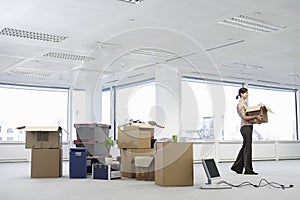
column 109, row 32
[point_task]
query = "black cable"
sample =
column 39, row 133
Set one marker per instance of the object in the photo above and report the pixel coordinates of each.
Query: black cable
column 262, row 183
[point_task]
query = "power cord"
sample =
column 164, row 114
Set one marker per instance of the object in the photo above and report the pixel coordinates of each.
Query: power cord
column 262, row 183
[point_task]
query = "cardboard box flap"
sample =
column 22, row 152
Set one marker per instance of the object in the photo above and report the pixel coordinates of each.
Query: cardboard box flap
column 42, row 128
column 136, row 126
column 269, row 110
column 253, row 108
column 257, row 108
column 143, row 161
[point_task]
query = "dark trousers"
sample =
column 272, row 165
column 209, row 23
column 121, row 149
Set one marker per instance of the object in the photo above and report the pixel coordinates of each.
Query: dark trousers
column 244, row 158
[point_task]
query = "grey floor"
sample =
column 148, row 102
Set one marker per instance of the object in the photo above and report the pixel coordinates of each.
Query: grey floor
column 16, row 184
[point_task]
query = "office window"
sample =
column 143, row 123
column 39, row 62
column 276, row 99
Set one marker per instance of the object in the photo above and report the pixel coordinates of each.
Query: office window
column 26, row 106
column 106, row 109
column 209, row 110
column 282, row 123
column 205, row 118
column 135, row 103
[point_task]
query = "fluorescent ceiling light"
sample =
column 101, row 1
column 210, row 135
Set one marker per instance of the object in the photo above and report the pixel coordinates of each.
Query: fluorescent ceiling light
column 241, row 66
column 31, row 74
column 154, row 52
column 66, row 56
column 32, row 35
column 252, row 24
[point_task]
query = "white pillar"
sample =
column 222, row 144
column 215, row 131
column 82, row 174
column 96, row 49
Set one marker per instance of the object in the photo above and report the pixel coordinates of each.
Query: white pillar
column 87, row 105
column 168, row 101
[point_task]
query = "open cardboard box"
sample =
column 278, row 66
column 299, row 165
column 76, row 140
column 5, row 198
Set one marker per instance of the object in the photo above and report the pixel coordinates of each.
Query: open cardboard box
column 258, row 110
column 43, row 137
column 135, row 136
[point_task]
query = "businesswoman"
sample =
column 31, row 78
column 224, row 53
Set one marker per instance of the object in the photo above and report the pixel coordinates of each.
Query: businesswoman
column 244, row 158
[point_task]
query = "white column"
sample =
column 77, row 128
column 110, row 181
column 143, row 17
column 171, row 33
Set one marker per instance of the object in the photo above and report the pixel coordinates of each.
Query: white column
column 87, row 105
column 168, row 101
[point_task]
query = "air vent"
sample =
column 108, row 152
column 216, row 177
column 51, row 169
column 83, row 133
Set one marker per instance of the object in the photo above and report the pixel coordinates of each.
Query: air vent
column 241, row 67
column 252, row 24
column 205, row 74
column 225, row 45
column 136, row 75
column 293, row 85
column 113, row 81
column 32, row 35
column 271, row 82
column 30, row 74
column 101, row 45
column 65, row 56
column 154, row 52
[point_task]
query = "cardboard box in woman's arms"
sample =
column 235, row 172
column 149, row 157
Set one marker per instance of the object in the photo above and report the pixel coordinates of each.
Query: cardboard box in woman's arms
column 258, row 110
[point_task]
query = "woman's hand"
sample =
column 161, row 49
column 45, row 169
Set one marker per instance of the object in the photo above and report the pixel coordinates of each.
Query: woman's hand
column 259, row 117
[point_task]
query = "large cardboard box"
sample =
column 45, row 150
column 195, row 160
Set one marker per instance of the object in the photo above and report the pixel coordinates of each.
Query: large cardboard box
column 174, row 164
column 135, row 136
column 46, row 163
column 258, row 110
column 128, row 168
column 43, row 137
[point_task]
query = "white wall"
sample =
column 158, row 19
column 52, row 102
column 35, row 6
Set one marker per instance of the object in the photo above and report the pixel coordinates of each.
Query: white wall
column 224, row 151
column 16, row 152
column 221, row 151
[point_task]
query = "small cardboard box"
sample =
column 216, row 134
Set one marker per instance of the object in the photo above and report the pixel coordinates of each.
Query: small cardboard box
column 43, row 137
column 46, row 163
column 258, row 110
column 136, row 136
column 144, row 168
column 128, row 168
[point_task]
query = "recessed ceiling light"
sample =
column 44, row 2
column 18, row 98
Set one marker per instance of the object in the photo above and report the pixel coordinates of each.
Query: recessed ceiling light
column 161, row 53
column 66, row 56
column 251, row 24
column 241, row 66
column 17, row 72
column 32, row 35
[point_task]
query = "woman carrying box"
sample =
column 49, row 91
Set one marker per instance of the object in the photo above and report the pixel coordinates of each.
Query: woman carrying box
column 244, row 158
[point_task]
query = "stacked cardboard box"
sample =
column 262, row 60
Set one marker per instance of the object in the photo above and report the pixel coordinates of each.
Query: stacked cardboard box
column 136, row 140
column 45, row 143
